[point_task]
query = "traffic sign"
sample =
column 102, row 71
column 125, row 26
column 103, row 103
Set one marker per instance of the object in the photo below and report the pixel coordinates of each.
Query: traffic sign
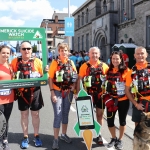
column 69, row 26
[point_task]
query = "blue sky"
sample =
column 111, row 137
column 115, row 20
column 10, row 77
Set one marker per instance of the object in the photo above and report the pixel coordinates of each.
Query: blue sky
column 29, row 13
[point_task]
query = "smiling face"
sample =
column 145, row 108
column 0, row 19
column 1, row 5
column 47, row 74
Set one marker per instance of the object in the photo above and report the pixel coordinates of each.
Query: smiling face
column 63, row 50
column 4, row 54
column 94, row 54
column 26, row 50
column 140, row 54
column 116, row 60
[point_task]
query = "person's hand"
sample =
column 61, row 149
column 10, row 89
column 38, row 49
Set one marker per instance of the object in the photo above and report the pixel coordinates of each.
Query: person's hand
column 140, row 106
column 54, row 98
column 75, row 96
column 46, row 68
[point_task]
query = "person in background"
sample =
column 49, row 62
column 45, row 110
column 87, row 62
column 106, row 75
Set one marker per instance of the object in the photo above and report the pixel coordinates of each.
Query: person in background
column 125, row 57
column 116, row 78
column 93, row 69
column 86, row 57
column 61, row 88
column 6, row 95
column 12, row 56
column 29, row 98
column 73, row 58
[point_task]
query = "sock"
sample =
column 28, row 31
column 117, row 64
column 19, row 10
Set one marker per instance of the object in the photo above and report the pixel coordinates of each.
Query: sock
column 63, row 134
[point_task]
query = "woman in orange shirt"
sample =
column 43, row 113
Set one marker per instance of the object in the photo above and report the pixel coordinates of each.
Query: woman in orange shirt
column 115, row 98
column 62, row 80
column 6, row 95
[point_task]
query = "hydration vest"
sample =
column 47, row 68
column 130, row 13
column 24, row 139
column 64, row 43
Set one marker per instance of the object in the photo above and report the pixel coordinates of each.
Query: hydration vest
column 24, row 71
column 142, row 79
column 65, row 75
column 92, row 81
column 115, row 84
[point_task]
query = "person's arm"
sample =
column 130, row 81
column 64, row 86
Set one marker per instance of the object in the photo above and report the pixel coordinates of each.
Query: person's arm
column 78, row 84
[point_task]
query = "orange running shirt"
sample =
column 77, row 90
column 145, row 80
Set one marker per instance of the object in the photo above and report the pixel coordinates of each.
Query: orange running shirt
column 37, row 65
column 125, row 58
column 83, row 68
column 129, row 78
column 5, row 74
column 53, row 69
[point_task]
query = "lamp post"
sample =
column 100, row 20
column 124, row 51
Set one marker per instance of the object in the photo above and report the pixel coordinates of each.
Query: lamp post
column 46, row 24
column 69, row 16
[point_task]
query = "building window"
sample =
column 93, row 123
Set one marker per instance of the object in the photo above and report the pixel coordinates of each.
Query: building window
column 122, row 10
column 87, row 15
column 148, row 31
column 122, row 41
column 49, row 29
column 82, row 42
column 78, row 21
column 82, row 18
column 61, row 21
column 49, row 35
column 87, row 42
column 49, row 43
column 78, row 44
column 132, row 9
column 130, row 40
column 61, row 29
column 112, row 5
column 104, row 6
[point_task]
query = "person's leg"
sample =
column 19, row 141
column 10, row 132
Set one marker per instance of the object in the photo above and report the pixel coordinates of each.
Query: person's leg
column 57, row 107
column 65, row 111
column 123, row 107
column 99, row 115
column 7, row 112
column 110, row 122
column 25, row 121
column 35, row 121
column 112, row 128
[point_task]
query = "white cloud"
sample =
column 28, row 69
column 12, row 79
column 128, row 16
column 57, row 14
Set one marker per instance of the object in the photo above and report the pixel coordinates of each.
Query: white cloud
column 7, row 21
column 17, row 13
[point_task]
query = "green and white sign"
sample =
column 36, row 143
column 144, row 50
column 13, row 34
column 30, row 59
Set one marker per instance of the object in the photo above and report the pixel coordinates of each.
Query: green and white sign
column 36, row 36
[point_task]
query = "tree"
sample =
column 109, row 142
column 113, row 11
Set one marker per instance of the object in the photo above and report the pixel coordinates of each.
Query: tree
column 34, row 47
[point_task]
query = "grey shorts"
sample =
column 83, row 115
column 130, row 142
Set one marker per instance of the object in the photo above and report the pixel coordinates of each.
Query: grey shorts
column 136, row 114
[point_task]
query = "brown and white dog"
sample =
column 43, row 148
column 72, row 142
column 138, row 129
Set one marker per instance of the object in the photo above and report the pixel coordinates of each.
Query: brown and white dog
column 141, row 139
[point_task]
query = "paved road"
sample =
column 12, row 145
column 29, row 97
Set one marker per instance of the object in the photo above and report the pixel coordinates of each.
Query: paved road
column 46, row 130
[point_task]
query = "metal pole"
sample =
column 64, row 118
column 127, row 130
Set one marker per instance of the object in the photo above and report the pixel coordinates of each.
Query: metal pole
column 68, row 16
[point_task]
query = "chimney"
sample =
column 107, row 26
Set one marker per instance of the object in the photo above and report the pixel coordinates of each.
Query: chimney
column 56, row 19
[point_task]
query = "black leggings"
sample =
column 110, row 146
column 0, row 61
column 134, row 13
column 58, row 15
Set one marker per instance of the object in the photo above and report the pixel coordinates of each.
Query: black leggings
column 123, row 107
column 6, row 109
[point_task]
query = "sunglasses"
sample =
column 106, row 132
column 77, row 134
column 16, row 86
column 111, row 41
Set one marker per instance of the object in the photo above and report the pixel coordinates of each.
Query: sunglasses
column 26, row 49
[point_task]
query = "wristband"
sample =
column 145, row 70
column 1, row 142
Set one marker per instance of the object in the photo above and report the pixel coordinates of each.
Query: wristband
column 51, row 89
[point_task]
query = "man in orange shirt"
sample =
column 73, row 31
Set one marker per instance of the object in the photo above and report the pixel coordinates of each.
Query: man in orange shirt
column 29, row 98
column 95, row 68
column 137, row 77
column 125, row 57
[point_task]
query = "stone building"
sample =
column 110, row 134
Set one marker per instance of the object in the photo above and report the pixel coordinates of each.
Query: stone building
column 103, row 23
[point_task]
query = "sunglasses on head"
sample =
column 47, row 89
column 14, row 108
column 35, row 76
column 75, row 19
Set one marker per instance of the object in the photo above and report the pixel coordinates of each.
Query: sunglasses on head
column 28, row 48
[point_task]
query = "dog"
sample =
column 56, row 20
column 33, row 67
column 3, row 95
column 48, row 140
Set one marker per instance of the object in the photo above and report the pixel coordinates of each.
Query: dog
column 141, row 139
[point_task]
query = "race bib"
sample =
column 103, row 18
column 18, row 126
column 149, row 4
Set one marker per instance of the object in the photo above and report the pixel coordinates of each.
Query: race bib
column 35, row 75
column 120, row 88
column 5, row 92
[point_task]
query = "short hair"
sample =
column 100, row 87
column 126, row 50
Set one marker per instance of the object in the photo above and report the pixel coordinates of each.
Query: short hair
column 62, row 46
column 94, row 47
column 139, row 47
